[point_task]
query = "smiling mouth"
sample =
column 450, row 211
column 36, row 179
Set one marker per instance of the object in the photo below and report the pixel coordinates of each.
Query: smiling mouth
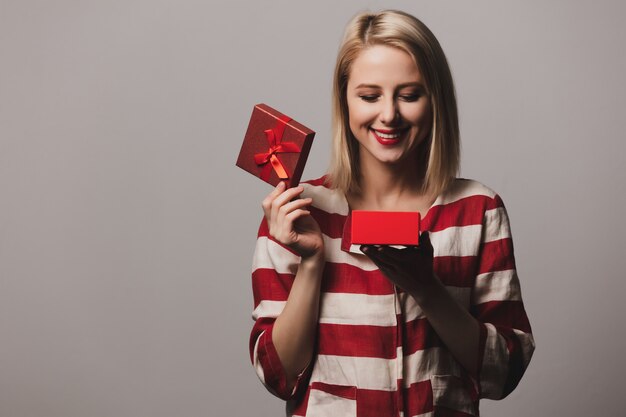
column 388, row 137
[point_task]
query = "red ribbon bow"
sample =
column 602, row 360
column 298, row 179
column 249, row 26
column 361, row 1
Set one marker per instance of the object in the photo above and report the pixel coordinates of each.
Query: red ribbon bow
column 274, row 137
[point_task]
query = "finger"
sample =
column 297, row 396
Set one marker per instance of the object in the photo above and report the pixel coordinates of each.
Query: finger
column 376, row 255
column 387, row 269
column 285, row 197
column 293, row 205
column 296, row 214
column 267, row 202
column 388, row 254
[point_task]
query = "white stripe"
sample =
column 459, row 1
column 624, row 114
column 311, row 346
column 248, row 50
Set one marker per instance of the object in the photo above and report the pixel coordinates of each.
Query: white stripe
column 256, row 362
column 269, row 254
column 496, row 224
column 357, row 309
column 493, row 374
column 356, row 249
column 457, row 241
column 366, row 373
column 267, row 308
column 382, row 374
column 332, row 249
column 428, row 414
column 497, row 286
column 462, row 188
column 412, row 310
column 421, row 365
column 330, row 201
column 324, row 404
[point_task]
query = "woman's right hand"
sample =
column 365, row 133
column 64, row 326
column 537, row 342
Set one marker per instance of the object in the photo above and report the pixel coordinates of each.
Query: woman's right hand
column 290, row 223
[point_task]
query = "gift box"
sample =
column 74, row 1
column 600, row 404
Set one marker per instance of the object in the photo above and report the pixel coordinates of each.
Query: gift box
column 385, row 227
column 275, row 147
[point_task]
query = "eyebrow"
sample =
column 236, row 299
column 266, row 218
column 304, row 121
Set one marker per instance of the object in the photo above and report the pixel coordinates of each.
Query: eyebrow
column 410, row 84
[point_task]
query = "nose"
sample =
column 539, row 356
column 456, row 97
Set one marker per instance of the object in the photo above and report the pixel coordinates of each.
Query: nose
column 389, row 111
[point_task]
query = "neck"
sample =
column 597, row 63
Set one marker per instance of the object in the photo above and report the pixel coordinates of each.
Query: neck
column 389, row 187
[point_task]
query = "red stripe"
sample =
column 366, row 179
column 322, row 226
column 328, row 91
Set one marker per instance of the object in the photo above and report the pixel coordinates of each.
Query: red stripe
column 259, row 327
column 342, row 391
column 457, row 271
column 503, row 313
column 331, row 224
column 263, row 228
column 495, row 203
column 419, row 335
column 323, row 181
column 357, row 340
column 374, row 403
column 497, row 256
column 345, row 278
column 418, row 398
column 375, row 341
column 464, row 212
column 267, row 284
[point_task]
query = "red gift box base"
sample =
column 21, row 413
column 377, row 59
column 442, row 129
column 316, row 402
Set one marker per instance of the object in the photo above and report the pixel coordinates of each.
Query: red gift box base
column 385, row 227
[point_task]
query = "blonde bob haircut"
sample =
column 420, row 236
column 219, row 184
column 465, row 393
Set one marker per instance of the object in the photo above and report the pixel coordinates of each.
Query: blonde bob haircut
column 438, row 156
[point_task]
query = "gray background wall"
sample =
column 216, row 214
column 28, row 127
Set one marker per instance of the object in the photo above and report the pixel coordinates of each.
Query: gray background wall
column 126, row 232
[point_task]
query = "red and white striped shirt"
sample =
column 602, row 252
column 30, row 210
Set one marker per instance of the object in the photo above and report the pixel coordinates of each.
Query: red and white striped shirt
column 376, row 354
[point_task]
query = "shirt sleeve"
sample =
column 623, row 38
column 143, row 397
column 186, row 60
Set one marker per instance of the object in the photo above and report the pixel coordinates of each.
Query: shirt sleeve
column 506, row 342
column 273, row 271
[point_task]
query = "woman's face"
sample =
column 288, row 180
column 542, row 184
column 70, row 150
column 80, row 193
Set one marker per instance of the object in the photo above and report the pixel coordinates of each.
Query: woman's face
column 389, row 111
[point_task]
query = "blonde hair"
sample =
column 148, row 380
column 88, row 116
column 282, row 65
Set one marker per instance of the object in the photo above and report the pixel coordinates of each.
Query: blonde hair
column 441, row 151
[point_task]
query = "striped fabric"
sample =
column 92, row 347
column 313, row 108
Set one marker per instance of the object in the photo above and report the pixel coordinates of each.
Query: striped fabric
column 376, row 354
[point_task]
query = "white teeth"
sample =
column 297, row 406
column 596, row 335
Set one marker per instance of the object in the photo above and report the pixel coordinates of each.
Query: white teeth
column 388, row 136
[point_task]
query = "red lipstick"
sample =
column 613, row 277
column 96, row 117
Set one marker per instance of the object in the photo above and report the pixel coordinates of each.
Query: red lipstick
column 388, row 137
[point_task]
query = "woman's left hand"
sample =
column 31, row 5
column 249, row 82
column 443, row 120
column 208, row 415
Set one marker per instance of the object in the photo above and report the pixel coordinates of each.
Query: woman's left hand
column 410, row 268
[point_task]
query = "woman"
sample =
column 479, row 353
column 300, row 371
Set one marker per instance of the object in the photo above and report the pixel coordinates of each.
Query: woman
column 374, row 330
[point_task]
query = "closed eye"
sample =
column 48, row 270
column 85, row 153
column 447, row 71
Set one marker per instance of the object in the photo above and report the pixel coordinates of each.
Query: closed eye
column 370, row 98
column 410, row 97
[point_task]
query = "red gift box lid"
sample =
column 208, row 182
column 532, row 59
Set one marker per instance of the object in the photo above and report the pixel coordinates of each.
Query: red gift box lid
column 385, row 227
column 275, row 147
